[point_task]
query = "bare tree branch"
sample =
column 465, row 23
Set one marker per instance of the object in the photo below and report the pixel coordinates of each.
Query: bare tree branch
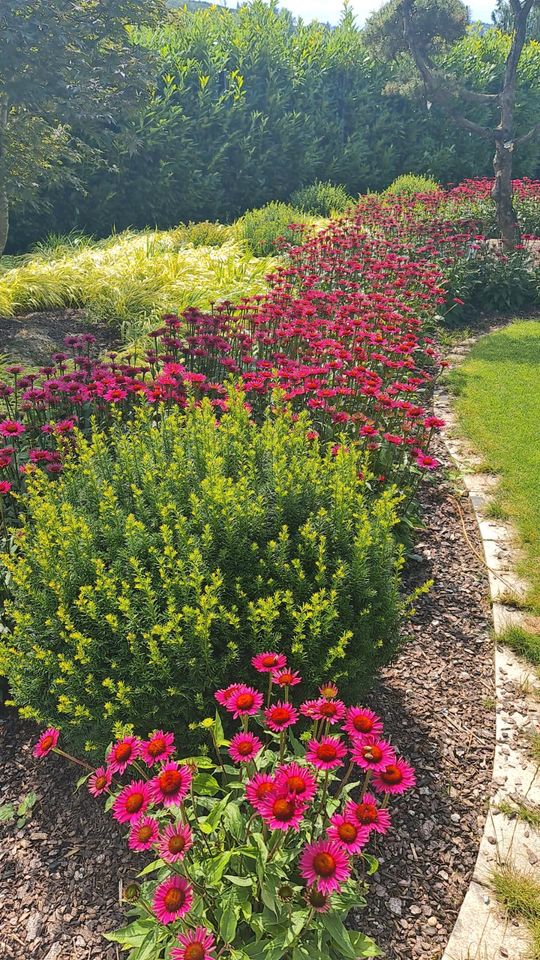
column 526, row 137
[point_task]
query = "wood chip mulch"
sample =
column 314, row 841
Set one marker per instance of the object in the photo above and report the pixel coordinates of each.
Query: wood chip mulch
column 59, row 873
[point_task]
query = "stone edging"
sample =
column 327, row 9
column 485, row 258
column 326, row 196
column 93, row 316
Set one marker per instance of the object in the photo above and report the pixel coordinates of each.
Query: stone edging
column 481, row 932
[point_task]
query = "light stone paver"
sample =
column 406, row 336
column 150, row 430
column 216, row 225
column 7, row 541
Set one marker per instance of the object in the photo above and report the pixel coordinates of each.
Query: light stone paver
column 482, row 931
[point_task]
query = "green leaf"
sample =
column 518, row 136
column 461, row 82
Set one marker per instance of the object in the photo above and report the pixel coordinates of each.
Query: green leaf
column 204, row 784
column 151, row 867
column 7, row 812
column 233, row 820
column 339, row 934
column 363, row 946
column 209, row 824
column 215, row 866
column 229, row 918
column 26, row 803
column 133, row 934
column 239, row 881
column 372, row 864
column 218, row 731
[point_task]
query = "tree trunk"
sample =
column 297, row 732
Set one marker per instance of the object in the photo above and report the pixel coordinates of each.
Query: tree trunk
column 502, row 194
column 4, row 202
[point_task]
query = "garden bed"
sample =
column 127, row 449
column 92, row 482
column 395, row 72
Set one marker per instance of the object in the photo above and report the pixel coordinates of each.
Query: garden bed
column 60, row 873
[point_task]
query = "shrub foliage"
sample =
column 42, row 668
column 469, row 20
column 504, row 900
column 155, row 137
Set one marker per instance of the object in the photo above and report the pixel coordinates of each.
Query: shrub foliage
column 172, row 551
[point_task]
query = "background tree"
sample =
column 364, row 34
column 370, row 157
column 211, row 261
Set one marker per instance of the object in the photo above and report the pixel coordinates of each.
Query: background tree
column 62, row 61
column 421, row 27
column 503, row 15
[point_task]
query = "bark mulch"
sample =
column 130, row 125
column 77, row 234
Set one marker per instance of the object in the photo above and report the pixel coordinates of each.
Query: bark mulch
column 59, row 874
column 31, row 338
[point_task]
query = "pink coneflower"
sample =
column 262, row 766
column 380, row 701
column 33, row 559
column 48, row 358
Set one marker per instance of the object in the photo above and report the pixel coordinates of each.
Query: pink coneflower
column 372, row 754
column 280, row 716
column 259, row 788
column 172, row 784
column 100, row 781
column 292, row 778
column 123, row 753
column 323, row 709
column 174, row 842
column 197, row 944
column 12, row 428
column 5, row 487
column 244, row 747
column 224, row 695
column 348, row 833
column 368, row 814
column 282, row 811
column 172, row 899
column 143, row 834
column 396, row 778
column 326, row 753
column 131, row 802
column 360, row 721
column 286, row 678
column 328, row 690
column 268, row 662
column 325, row 865
column 157, row 748
column 46, row 742
column 244, row 702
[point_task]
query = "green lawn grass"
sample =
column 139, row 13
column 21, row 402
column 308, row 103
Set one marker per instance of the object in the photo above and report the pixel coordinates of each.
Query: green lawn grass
column 498, row 405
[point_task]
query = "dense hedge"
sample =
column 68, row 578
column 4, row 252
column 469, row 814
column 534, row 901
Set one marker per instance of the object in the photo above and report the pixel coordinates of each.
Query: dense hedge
column 165, row 556
column 249, row 106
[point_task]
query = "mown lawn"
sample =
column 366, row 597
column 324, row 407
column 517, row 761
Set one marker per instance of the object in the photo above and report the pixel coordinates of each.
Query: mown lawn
column 498, row 404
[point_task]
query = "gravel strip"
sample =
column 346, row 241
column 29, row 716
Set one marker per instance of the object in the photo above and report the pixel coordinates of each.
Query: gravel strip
column 59, row 874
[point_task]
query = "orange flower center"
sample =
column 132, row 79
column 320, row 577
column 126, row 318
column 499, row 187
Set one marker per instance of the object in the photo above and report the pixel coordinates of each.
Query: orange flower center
column 170, row 781
column 47, row 743
column 391, row 775
column 245, row 747
column 269, row 661
column 283, row 809
column 245, row 701
column 144, row 833
column 366, row 812
column 157, row 746
column 263, row 790
column 296, row 784
column 280, row 714
column 347, row 832
column 324, row 864
column 174, row 899
column 176, row 844
column 100, row 782
column 372, row 752
column 328, row 709
column 123, row 752
column 326, row 752
column 362, row 724
column 285, row 679
column 195, row 951
column 134, row 802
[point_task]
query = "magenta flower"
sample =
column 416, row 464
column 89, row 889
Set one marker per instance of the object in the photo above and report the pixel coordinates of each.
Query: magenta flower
column 197, row 944
column 46, row 742
column 244, row 747
column 282, row 811
column 224, row 695
column 297, row 780
column 372, row 754
column 368, row 814
column 143, row 834
column 348, row 833
column 259, row 788
column 396, row 778
column 157, row 748
column 286, row 677
column 131, row 802
column 332, row 711
column 326, row 753
column 280, row 716
column 244, row 702
column 172, row 784
column 325, row 865
column 5, row 487
column 268, row 662
column 123, row 753
column 360, row 722
column 12, row 428
column 172, row 899
column 100, row 781
column 174, row 842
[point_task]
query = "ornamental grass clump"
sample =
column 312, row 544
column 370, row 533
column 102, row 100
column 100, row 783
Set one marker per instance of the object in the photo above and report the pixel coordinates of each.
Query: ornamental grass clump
column 173, row 548
column 261, row 852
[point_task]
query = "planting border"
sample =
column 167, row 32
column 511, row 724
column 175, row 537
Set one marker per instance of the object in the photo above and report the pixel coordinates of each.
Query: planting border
column 481, row 931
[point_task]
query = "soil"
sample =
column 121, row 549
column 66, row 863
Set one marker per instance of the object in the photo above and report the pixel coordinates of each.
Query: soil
column 32, row 337
column 60, row 871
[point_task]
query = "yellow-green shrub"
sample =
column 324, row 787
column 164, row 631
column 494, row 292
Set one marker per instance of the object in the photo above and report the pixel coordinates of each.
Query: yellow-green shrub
column 172, row 550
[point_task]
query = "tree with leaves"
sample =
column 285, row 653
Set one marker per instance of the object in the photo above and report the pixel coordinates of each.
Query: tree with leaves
column 424, row 28
column 61, row 61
